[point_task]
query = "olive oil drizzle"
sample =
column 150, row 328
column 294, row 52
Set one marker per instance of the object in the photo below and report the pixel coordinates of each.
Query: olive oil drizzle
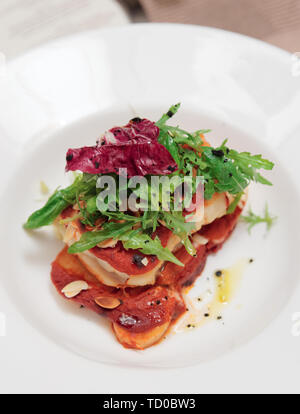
column 227, row 282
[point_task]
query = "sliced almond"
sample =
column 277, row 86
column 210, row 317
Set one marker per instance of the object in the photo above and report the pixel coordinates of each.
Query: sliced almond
column 69, row 235
column 108, row 302
column 74, row 288
column 199, row 240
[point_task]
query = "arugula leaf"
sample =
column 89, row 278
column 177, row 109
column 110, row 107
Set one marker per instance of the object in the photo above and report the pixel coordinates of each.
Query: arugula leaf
column 172, row 111
column 224, row 169
column 175, row 222
column 132, row 239
column 120, row 215
column 91, row 205
column 209, row 189
column 168, row 142
column 183, row 137
column 60, row 200
column 202, row 132
column 90, row 239
column 225, row 175
column 253, row 219
column 150, row 220
column 46, row 215
column 248, row 164
column 234, row 204
column 137, row 240
column 245, row 159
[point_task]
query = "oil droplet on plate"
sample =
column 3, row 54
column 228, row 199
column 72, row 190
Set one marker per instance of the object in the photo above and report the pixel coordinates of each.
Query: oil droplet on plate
column 227, row 282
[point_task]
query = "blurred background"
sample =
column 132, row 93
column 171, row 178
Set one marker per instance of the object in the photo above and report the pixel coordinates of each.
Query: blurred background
column 28, row 23
column 274, row 21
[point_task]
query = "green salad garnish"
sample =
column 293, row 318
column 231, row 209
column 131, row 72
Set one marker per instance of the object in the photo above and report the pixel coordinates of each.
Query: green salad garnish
column 223, row 170
column 253, row 219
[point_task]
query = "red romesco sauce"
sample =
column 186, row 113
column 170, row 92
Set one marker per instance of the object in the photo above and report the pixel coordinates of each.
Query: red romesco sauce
column 130, row 261
column 143, row 309
column 122, row 260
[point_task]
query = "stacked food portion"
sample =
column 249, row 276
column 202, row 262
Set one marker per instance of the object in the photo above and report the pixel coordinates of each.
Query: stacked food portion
column 128, row 262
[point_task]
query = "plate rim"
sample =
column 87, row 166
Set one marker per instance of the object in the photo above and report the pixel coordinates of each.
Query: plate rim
column 137, row 26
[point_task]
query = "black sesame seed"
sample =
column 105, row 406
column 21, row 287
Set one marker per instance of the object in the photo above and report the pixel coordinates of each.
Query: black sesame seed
column 97, row 165
column 206, row 315
column 137, row 260
column 218, row 153
column 158, row 302
column 171, row 168
column 218, row 273
column 136, row 120
column 69, row 157
column 251, row 260
column 230, row 174
column 219, row 318
column 170, row 114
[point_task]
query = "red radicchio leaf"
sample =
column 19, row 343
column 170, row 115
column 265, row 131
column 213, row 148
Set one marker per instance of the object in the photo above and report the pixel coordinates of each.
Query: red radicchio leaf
column 138, row 130
column 134, row 147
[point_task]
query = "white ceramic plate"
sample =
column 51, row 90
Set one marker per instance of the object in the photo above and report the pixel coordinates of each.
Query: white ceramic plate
column 65, row 94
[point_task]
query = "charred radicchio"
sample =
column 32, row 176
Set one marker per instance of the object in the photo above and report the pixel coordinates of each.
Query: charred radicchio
column 134, row 147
